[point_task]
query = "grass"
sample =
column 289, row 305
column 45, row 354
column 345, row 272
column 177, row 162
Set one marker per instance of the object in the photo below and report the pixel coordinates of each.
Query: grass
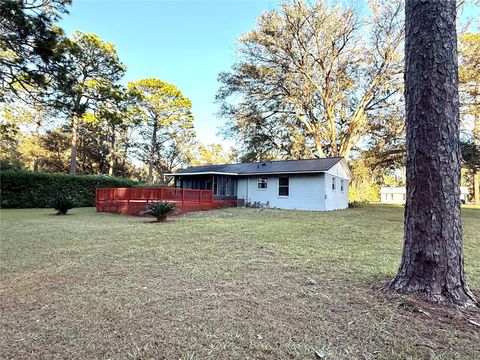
column 224, row 284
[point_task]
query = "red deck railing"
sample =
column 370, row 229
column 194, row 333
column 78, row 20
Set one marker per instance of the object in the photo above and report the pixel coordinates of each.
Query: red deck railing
column 132, row 201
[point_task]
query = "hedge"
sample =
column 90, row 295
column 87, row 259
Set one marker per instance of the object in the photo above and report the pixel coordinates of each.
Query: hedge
column 23, row 189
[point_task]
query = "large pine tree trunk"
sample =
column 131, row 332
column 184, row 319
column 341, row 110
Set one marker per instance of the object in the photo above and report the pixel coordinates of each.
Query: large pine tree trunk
column 432, row 260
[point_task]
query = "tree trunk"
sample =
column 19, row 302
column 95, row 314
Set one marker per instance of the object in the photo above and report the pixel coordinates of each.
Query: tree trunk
column 432, row 260
column 153, row 147
column 476, row 188
column 113, row 149
column 36, row 164
column 318, row 145
column 476, row 175
column 73, row 148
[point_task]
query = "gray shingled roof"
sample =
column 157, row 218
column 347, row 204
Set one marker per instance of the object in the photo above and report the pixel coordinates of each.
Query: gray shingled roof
column 266, row 167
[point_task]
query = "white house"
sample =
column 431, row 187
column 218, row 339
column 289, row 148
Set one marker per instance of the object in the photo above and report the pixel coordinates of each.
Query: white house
column 396, row 195
column 310, row 184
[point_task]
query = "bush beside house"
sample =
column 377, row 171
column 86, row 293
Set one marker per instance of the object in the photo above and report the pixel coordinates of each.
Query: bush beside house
column 24, row 189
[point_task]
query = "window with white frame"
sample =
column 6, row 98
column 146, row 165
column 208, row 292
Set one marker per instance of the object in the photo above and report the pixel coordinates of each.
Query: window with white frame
column 283, row 186
column 341, row 185
column 333, row 183
column 261, row 183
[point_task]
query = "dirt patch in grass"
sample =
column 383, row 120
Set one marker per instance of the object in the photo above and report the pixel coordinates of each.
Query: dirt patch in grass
column 211, row 286
column 465, row 320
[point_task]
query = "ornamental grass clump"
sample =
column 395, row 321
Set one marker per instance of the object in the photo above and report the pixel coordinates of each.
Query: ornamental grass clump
column 160, row 210
column 62, row 204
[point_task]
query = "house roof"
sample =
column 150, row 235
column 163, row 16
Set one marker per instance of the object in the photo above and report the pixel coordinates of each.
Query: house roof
column 265, row 167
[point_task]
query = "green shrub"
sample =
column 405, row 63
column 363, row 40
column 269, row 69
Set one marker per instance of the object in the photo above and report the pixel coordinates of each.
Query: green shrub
column 159, row 209
column 355, row 204
column 8, row 165
column 24, row 189
column 62, row 204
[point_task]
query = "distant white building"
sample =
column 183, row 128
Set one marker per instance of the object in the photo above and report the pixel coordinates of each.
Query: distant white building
column 393, row 195
column 397, row 195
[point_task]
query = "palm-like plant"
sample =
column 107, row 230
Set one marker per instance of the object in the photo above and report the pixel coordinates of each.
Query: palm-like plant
column 62, row 204
column 160, row 210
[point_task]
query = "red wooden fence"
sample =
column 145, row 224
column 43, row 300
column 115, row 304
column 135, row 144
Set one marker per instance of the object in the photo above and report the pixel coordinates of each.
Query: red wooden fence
column 132, row 201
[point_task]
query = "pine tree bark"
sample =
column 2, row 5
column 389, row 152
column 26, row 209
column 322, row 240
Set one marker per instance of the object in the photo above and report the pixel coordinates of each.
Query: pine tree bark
column 432, row 260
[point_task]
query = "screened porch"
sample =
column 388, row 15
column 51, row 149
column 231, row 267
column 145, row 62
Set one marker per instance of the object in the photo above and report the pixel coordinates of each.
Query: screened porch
column 224, row 186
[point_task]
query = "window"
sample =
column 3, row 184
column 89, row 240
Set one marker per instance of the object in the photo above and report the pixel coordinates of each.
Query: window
column 391, row 196
column 261, row 183
column 341, row 185
column 283, row 186
column 403, row 197
column 333, row 183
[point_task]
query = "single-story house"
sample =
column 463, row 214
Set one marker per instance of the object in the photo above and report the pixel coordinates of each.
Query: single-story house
column 397, row 195
column 310, row 184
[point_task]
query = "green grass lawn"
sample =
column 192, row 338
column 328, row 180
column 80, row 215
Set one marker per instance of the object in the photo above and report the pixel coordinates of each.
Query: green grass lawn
column 224, row 284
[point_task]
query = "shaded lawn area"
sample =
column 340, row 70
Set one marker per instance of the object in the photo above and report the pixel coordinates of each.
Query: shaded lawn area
column 223, row 284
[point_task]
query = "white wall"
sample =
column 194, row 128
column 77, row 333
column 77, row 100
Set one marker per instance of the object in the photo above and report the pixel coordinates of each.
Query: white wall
column 336, row 199
column 306, row 192
column 392, row 198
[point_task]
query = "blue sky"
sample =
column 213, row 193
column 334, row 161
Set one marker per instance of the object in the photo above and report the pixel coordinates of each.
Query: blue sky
column 186, row 43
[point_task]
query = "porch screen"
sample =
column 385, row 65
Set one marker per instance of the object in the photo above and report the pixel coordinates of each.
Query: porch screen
column 225, row 186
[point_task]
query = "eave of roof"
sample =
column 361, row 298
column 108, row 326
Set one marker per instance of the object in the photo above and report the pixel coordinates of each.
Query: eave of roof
column 248, row 174
column 202, row 173
column 300, row 166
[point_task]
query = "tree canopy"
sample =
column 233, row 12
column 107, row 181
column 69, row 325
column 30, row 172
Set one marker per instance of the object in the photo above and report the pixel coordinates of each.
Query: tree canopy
column 87, row 75
column 167, row 127
column 28, row 40
column 310, row 76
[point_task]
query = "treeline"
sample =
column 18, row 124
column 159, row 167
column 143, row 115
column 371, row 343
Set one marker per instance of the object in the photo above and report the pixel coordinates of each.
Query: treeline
column 64, row 108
